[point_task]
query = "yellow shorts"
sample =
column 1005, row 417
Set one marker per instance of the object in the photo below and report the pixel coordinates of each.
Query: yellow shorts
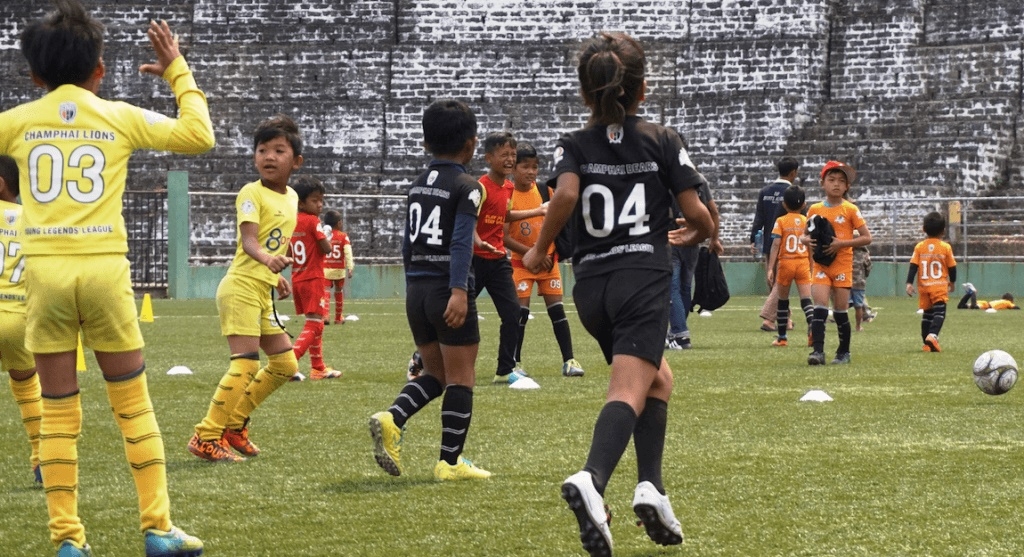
column 13, row 354
column 245, row 307
column 335, row 274
column 549, row 283
column 91, row 293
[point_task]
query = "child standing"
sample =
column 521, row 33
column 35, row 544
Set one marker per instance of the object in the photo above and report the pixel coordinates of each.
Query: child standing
column 309, row 244
column 623, row 166
column 437, row 251
column 861, row 271
column 266, row 214
column 518, row 238
column 834, row 280
column 16, row 360
column 338, row 266
column 788, row 262
column 73, row 148
column 934, row 269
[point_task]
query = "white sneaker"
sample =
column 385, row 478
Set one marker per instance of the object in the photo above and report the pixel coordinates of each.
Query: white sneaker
column 655, row 512
column 591, row 513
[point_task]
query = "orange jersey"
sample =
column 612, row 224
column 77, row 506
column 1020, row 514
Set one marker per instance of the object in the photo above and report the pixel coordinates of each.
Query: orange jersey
column 933, row 258
column 997, row 304
column 788, row 229
column 844, row 218
column 526, row 231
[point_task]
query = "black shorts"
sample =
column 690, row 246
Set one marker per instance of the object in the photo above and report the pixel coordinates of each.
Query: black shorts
column 626, row 311
column 425, row 302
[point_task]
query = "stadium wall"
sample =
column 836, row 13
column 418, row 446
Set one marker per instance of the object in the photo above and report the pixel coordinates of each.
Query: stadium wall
column 923, row 96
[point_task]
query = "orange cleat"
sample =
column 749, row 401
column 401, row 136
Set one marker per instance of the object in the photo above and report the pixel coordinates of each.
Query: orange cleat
column 326, row 373
column 238, row 439
column 214, row 451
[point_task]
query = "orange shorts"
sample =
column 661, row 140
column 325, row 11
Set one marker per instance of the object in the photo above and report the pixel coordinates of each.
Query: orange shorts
column 931, row 295
column 837, row 275
column 793, row 270
column 549, row 283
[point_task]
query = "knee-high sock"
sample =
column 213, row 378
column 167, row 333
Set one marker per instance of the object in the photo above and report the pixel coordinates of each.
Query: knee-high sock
column 456, row 414
column 58, row 457
column 30, row 404
column 782, row 317
column 808, row 306
column 649, row 441
column 310, row 331
column 230, row 389
column 339, row 300
column 144, row 447
column 938, row 318
column 414, row 396
column 614, row 427
column 524, row 318
column 926, row 322
column 280, row 369
column 843, row 325
column 316, row 349
column 818, row 328
column 560, row 323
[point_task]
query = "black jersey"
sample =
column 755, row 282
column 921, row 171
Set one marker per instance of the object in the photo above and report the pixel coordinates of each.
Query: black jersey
column 628, row 176
column 435, row 197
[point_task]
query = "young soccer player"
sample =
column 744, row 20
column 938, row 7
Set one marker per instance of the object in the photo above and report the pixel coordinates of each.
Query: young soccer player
column 437, row 250
column 970, row 301
column 933, row 267
column 72, row 148
column 834, row 280
column 309, row 245
column 338, row 266
column 16, row 360
column 491, row 267
column 266, row 214
column 519, row 236
column 622, row 169
column 788, row 261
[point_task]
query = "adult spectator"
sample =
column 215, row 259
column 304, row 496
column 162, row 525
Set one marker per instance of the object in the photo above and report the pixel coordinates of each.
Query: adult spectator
column 769, row 203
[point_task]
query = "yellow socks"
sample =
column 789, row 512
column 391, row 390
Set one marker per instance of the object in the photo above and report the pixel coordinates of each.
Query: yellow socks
column 58, row 455
column 30, row 404
column 241, row 372
column 144, row 447
column 279, row 371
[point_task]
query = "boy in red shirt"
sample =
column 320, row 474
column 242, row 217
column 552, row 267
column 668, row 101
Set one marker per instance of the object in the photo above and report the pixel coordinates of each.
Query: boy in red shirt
column 309, row 244
column 338, row 265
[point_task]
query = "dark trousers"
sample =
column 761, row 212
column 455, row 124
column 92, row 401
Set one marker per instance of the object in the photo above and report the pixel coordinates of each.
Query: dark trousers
column 495, row 275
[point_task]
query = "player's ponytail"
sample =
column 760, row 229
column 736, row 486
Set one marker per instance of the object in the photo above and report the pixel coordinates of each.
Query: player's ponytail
column 611, row 73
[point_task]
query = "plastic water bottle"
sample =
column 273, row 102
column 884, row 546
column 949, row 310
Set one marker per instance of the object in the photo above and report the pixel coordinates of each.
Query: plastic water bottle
column 759, row 243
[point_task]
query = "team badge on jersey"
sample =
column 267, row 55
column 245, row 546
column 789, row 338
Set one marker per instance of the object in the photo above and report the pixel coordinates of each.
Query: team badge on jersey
column 614, row 133
column 559, row 153
column 10, row 217
column 474, row 196
column 67, row 112
column 522, row 286
column 432, row 177
column 152, row 117
column 248, row 207
column 931, row 247
column 684, row 158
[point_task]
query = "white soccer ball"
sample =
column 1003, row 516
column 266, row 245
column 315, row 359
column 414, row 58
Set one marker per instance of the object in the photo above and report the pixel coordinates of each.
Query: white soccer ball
column 995, row 372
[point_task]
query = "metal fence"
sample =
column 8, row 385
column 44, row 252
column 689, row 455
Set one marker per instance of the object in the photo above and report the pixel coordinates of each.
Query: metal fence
column 145, row 217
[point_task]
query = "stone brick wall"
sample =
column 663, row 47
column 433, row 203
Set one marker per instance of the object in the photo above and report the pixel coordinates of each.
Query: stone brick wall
column 924, row 96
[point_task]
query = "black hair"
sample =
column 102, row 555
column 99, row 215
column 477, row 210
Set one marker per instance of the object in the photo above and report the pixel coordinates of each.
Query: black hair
column 934, row 225
column 276, row 126
column 1008, row 297
column 793, row 198
column 787, row 165
column 447, row 125
column 305, row 186
column 332, row 218
column 524, row 151
column 611, row 73
column 10, row 175
column 65, row 46
column 496, row 140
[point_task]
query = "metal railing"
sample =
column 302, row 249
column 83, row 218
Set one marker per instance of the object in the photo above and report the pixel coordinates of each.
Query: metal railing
column 145, row 217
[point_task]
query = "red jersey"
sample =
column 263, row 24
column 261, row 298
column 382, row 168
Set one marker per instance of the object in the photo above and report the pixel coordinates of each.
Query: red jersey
column 491, row 222
column 308, row 259
column 336, row 259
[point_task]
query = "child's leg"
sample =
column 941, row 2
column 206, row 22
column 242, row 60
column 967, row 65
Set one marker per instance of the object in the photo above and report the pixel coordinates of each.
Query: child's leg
column 281, row 366
column 782, row 314
column 560, row 325
column 840, row 311
column 804, row 290
column 241, row 371
column 58, row 456
column 339, row 301
column 26, row 391
column 926, row 323
column 938, row 318
column 649, row 432
column 524, row 318
column 457, row 407
column 311, row 331
column 820, row 294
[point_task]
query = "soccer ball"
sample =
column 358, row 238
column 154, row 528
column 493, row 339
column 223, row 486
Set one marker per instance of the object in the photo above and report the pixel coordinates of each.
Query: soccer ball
column 995, row 372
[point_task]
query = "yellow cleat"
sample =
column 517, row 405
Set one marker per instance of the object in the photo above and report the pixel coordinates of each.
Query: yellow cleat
column 463, row 470
column 387, row 442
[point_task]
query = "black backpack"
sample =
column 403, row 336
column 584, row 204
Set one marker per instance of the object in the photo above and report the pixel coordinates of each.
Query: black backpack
column 821, row 231
column 710, row 290
column 565, row 244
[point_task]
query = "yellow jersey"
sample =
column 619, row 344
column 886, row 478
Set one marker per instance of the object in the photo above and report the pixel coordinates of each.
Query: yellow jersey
column 275, row 214
column 72, row 149
column 12, row 289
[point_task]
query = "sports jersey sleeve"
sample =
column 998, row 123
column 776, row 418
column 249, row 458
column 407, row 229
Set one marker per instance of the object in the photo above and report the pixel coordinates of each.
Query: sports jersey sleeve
column 247, row 206
column 564, row 160
column 916, row 258
column 681, row 174
column 856, row 218
column 191, row 132
column 777, row 229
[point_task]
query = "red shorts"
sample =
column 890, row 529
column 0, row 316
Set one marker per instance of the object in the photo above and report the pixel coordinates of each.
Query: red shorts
column 309, row 297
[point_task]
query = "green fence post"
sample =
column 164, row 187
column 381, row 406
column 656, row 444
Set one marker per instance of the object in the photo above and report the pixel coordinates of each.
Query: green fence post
column 177, row 233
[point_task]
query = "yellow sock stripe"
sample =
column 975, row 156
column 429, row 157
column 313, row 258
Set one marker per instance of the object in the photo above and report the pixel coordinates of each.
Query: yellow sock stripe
column 61, row 489
column 148, row 463
column 144, row 437
column 135, row 414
